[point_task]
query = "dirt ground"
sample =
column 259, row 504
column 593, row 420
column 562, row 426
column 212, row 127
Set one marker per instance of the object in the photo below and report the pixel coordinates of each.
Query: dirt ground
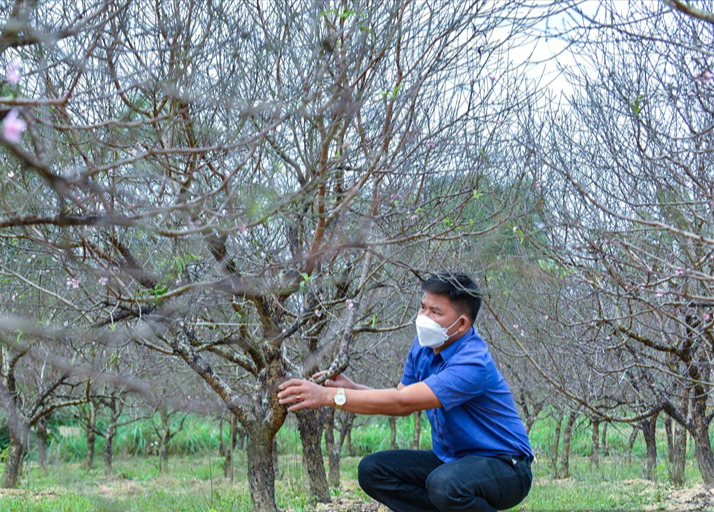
column 348, row 501
column 349, row 504
column 692, row 498
column 696, row 498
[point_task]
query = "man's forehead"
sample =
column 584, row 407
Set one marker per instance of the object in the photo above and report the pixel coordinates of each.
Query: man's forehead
column 436, row 301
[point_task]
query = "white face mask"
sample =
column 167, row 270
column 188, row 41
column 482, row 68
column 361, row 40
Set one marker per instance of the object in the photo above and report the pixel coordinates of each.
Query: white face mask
column 430, row 333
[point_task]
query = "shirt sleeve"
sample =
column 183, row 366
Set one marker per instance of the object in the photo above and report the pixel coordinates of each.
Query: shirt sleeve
column 459, row 383
column 409, row 376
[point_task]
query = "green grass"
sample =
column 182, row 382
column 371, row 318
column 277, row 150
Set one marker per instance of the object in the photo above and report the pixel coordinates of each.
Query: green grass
column 198, row 436
column 195, row 482
column 571, row 495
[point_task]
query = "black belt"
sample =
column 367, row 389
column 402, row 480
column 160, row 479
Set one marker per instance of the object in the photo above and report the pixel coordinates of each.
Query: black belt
column 515, row 460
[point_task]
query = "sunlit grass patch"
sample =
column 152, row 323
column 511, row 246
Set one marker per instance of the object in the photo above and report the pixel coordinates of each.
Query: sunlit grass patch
column 576, row 495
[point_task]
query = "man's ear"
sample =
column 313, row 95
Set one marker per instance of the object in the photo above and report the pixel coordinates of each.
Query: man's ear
column 467, row 323
column 460, row 324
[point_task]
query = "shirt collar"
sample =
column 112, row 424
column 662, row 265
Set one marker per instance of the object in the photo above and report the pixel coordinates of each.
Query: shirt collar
column 451, row 349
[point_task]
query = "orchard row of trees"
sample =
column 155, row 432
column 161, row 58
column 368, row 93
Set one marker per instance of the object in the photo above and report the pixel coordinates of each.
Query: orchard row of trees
column 203, row 199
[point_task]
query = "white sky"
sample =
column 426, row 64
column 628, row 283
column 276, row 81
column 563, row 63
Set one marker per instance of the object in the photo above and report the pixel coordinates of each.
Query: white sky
column 541, row 54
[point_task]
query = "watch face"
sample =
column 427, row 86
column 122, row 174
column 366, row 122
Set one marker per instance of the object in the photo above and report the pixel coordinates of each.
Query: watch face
column 340, row 398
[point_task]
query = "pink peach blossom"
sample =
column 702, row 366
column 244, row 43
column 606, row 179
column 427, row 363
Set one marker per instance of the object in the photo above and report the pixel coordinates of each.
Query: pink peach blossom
column 13, row 127
column 12, row 74
column 705, row 76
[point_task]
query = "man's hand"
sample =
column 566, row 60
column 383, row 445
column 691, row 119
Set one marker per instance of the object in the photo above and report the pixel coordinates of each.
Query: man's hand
column 304, row 394
column 338, row 382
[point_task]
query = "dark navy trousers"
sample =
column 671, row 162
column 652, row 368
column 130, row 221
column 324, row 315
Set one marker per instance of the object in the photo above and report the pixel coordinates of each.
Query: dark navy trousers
column 418, row 481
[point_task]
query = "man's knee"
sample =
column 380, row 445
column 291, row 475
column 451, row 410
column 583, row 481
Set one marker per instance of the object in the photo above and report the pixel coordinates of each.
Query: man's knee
column 369, row 467
column 447, row 495
column 442, row 492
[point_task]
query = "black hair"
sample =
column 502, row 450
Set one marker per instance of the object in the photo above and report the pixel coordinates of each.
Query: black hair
column 461, row 290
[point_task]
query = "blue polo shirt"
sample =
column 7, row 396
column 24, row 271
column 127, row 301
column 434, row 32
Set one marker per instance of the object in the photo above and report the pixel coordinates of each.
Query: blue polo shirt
column 478, row 414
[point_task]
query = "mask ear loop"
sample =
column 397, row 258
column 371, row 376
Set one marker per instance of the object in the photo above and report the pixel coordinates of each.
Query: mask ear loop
column 449, row 327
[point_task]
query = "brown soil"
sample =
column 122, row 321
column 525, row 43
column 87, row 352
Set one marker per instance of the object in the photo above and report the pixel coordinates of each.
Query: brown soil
column 349, row 501
column 692, row 498
column 119, row 488
column 349, row 504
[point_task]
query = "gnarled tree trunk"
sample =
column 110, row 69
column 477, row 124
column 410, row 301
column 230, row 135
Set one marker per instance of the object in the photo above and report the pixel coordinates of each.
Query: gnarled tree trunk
column 115, row 408
column 310, row 424
column 221, row 444
column 676, row 451
column 703, row 451
column 416, row 440
column 163, row 455
column 350, row 445
column 567, row 435
column 631, row 442
column 333, row 476
column 16, row 454
column 230, row 449
column 166, row 434
column 261, row 469
column 347, row 420
column 649, row 430
column 90, row 428
column 556, row 444
column 595, row 454
column 393, row 432
column 604, row 447
column 109, row 450
column 42, row 436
